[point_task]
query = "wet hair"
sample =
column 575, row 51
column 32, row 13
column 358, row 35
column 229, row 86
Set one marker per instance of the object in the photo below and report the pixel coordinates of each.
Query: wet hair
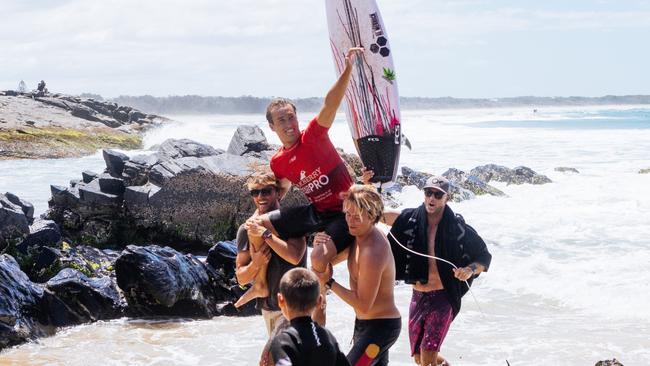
column 263, row 176
column 300, row 289
column 366, row 198
column 276, row 103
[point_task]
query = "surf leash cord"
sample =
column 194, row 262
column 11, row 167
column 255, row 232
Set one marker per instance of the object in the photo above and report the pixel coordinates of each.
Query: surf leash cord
column 442, row 260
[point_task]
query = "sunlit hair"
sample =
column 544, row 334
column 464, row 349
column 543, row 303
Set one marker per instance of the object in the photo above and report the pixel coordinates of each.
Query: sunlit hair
column 365, row 198
column 263, row 176
column 300, row 289
column 277, row 103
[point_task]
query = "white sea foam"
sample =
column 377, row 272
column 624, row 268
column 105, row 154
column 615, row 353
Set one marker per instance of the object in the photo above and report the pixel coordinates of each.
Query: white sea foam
column 569, row 282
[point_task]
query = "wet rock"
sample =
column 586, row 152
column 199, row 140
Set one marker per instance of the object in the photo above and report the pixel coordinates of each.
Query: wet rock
column 62, row 196
column 41, row 233
column 20, row 305
column 114, row 162
column 75, row 299
column 247, row 138
column 81, row 111
column 88, row 176
column 136, row 170
column 139, row 195
column 412, row 177
column 174, row 149
column 464, row 186
column 92, row 194
column 162, row 281
column 111, row 185
column 222, row 256
column 518, row 175
column 564, row 169
column 14, row 225
column 27, row 208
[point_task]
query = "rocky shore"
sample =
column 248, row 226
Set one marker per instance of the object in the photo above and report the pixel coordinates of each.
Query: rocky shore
column 57, row 126
column 151, row 235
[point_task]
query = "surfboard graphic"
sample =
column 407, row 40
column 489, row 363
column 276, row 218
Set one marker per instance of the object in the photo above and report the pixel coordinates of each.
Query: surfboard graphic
column 372, row 100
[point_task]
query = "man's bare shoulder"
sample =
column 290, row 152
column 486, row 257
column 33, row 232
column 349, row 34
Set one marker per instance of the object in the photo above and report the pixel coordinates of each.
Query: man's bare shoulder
column 377, row 248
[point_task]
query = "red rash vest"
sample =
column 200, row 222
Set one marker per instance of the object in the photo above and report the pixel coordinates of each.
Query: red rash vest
column 315, row 167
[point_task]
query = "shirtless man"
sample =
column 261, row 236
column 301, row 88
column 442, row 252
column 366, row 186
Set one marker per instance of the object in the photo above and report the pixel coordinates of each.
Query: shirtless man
column 309, row 160
column 434, row 229
column 372, row 275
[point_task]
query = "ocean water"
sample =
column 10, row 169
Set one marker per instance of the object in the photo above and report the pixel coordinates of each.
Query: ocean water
column 569, row 282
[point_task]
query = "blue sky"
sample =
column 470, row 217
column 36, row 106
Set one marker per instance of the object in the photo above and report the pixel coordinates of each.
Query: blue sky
column 456, row 48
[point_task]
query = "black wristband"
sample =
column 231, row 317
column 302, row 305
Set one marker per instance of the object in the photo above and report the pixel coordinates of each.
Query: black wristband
column 329, row 283
column 267, row 234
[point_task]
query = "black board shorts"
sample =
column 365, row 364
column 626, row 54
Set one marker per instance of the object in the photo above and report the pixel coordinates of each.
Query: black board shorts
column 296, row 222
column 381, row 332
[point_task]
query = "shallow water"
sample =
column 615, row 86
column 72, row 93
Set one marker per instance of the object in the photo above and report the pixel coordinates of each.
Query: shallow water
column 569, row 283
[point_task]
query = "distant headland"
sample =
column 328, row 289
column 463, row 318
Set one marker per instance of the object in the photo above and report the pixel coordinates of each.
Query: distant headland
column 195, row 104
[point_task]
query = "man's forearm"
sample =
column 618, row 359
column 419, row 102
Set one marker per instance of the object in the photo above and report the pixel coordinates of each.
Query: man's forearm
column 291, row 250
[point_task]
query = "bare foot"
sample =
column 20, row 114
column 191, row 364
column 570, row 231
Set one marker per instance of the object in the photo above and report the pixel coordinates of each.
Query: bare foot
column 258, row 290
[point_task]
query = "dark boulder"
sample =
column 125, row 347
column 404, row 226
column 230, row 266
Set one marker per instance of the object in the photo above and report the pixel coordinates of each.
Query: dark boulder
column 41, row 233
column 518, row 175
column 247, row 138
column 27, row 207
column 82, row 111
column 644, row 171
column 92, row 194
column 20, row 305
column 162, row 281
column 461, row 184
column 135, row 116
column 411, row 177
column 14, row 225
column 75, row 298
column 88, row 176
column 175, row 149
column 111, row 185
column 136, row 170
column 114, row 162
column 222, row 256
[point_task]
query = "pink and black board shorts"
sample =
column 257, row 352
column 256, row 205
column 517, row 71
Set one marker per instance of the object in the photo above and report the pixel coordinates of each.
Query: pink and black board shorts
column 430, row 315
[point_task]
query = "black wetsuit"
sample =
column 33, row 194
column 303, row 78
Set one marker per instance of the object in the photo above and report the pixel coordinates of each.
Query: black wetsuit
column 305, row 343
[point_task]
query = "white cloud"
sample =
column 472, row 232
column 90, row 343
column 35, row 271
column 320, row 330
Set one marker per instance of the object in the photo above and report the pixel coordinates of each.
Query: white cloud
column 279, row 47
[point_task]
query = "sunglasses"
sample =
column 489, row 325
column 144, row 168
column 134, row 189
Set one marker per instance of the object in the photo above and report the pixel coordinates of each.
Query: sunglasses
column 264, row 191
column 434, row 192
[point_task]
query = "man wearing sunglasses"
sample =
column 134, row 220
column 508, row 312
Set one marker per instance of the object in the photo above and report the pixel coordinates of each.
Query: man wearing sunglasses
column 434, row 230
column 263, row 258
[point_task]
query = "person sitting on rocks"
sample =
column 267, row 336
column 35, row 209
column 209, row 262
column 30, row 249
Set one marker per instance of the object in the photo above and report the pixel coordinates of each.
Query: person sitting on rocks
column 304, row 342
column 262, row 257
column 41, row 90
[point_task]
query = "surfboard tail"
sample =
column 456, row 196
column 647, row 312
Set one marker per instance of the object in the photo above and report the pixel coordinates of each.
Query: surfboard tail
column 381, row 155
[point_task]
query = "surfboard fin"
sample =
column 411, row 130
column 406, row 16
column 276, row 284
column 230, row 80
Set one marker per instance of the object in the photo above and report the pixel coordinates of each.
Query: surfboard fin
column 406, row 142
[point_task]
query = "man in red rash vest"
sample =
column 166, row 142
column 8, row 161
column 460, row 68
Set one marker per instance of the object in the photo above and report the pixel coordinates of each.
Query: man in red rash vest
column 309, row 160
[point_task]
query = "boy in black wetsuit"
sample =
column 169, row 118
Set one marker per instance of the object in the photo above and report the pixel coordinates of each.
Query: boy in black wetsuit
column 304, row 343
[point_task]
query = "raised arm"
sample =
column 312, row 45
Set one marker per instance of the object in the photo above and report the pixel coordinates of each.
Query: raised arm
column 337, row 92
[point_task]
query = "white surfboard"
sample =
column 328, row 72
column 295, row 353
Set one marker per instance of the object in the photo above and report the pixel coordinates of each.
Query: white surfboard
column 372, row 100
